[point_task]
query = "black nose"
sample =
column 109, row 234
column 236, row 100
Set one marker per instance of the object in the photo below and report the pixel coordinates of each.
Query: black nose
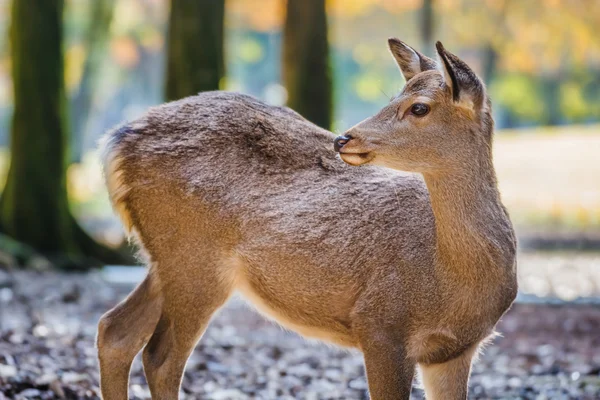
column 340, row 141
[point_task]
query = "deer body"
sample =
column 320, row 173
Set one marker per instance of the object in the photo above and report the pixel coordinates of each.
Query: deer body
column 225, row 193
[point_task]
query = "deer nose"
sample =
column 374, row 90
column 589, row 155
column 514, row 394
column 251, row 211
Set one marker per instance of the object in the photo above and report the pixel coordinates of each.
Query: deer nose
column 340, row 141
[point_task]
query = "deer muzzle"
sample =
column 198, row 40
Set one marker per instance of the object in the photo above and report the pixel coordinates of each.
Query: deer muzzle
column 340, row 141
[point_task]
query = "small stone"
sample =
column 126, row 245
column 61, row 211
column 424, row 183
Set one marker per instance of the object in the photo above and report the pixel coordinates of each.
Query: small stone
column 140, row 392
column 358, row 384
column 45, row 379
column 8, row 371
column 16, row 338
column 210, row 387
column 73, row 377
column 72, row 296
column 40, row 331
column 29, row 393
column 515, row 382
column 227, row 394
column 217, row 367
column 333, row 374
column 56, row 387
column 302, row 370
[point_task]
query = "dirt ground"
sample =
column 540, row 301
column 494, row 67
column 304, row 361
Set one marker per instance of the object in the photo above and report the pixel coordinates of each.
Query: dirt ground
column 48, row 323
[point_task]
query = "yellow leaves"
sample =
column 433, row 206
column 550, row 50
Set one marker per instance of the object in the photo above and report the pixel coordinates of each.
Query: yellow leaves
column 136, row 23
column 4, row 164
column 368, row 87
column 152, row 40
column 6, row 94
column 349, row 8
column 574, row 104
column 261, row 15
column 552, row 3
column 74, row 60
column 449, row 4
column 495, row 5
column 251, row 51
column 556, row 34
column 354, row 8
column 268, row 15
column 85, row 179
column 127, row 13
column 363, row 54
column 528, row 36
column 396, row 6
column 124, row 51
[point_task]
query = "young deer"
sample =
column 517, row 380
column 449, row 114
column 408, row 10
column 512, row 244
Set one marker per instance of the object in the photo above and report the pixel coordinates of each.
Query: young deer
column 225, row 193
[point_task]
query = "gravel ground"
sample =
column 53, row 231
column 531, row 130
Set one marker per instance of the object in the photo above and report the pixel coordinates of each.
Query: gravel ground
column 564, row 275
column 48, row 323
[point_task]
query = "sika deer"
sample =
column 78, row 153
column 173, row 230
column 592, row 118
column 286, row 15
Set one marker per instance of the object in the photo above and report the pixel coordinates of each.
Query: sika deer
column 224, row 193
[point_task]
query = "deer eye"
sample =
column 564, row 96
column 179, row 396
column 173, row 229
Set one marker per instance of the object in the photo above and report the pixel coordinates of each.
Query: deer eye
column 419, row 109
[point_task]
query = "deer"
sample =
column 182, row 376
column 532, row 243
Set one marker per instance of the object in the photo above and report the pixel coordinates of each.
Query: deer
column 390, row 239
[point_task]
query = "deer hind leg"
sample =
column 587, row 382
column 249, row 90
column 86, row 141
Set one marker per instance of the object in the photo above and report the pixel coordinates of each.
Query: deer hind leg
column 122, row 332
column 190, row 300
column 448, row 380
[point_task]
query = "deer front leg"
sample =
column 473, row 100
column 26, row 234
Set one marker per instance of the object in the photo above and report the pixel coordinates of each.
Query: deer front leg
column 389, row 371
column 448, row 380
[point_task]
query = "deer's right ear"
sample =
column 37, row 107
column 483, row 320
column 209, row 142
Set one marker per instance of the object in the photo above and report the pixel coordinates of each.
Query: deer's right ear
column 409, row 60
column 465, row 86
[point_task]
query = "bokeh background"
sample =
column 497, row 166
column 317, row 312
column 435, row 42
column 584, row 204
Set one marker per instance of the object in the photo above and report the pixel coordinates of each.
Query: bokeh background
column 540, row 60
column 106, row 61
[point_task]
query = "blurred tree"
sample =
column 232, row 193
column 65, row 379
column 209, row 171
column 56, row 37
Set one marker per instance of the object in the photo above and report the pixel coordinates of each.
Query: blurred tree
column 34, row 207
column 306, row 69
column 195, row 61
column 427, row 27
column 101, row 13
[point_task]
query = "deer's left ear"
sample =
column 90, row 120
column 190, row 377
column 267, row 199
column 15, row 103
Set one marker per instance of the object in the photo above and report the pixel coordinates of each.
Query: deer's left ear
column 466, row 87
column 409, row 60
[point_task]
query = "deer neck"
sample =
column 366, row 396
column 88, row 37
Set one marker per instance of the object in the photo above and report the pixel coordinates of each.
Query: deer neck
column 472, row 229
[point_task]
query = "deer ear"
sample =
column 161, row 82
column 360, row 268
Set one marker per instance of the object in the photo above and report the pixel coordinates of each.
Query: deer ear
column 410, row 61
column 464, row 84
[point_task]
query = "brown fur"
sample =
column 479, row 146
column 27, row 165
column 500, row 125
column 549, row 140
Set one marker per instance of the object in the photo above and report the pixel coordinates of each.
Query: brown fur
column 226, row 193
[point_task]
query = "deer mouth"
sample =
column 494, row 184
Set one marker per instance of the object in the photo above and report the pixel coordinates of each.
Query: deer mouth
column 356, row 159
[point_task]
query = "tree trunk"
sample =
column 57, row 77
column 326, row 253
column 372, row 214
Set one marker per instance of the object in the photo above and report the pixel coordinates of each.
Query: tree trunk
column 34, row 207
column 427, row 27
column 490, row 55
column 195, row 61
column 489, row 63
column 551, row 91
column 306, row 70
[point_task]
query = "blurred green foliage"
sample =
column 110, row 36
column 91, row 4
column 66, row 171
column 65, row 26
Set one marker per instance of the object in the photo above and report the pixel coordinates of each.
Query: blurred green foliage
column 520, row 94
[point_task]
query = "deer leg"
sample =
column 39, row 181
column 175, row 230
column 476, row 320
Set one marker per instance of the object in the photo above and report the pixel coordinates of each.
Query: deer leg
column 122, row 332
column 389, row 371
column 448, row 380
column 189, row 303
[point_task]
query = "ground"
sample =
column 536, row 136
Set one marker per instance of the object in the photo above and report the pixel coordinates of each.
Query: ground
column 48, row 325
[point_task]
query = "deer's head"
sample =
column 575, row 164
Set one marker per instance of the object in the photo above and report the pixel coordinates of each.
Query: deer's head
column 440, row 120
